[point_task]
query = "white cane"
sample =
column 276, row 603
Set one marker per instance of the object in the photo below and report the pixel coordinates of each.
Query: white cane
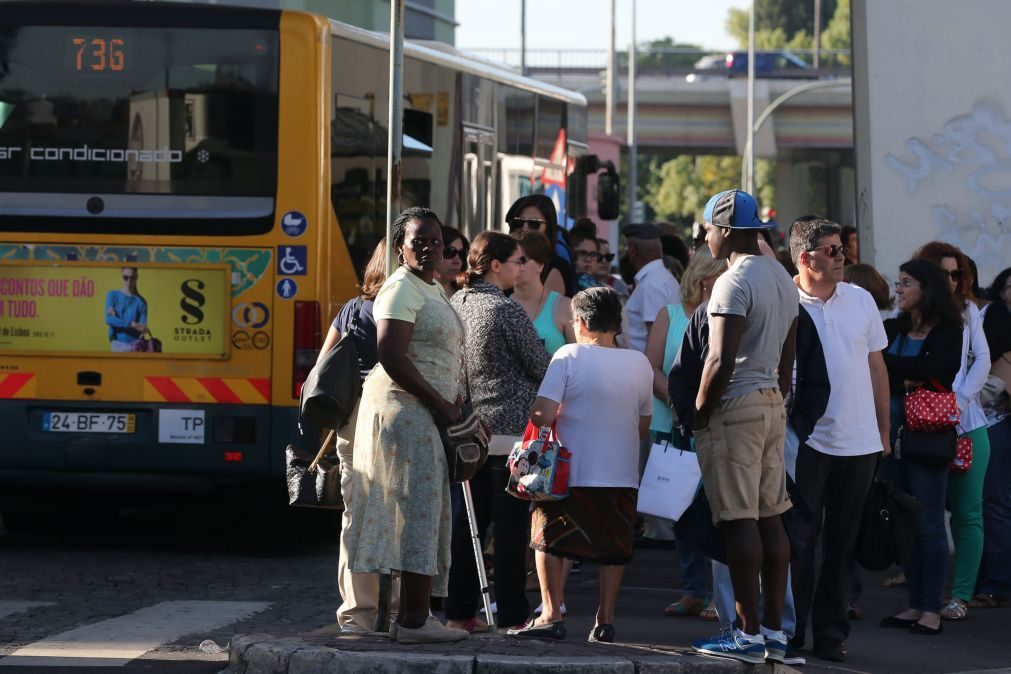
column 468, row 502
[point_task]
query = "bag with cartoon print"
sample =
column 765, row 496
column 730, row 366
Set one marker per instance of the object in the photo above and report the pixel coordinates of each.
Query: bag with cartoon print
column 539, row 466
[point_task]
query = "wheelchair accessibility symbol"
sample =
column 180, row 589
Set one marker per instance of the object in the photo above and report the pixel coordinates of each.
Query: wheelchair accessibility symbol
column 291, row 260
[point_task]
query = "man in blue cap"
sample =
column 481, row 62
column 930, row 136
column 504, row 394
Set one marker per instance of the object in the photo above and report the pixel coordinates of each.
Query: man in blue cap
column 740, row 420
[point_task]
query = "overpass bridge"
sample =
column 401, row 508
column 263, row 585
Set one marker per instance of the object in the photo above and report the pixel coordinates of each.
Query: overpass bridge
column 685, row 109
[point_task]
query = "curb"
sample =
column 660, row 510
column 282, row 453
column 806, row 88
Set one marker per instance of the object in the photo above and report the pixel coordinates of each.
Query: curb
column 264, row 654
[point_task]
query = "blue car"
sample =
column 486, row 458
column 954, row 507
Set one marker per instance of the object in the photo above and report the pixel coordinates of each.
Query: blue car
column 776, row 63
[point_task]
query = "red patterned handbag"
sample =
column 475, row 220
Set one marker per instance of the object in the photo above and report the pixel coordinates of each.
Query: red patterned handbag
column 931, row 411
column 963, row 456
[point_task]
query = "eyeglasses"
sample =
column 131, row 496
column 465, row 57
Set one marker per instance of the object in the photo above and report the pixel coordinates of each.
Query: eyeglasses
column 831, row 249
column 519, row 223
column 588, row 254
column 906, row 284
column 954, row 274
column 129, row 277
column 606, row 257
column 521, row 260
column 450, row 252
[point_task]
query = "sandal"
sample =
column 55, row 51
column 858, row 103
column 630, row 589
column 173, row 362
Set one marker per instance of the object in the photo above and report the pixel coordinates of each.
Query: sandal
column 896, row 581
column 956, row 609
column 984, row 600
column 710, row 613
column 686, row 606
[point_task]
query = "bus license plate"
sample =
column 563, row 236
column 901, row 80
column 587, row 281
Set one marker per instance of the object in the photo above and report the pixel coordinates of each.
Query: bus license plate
column 88, row 422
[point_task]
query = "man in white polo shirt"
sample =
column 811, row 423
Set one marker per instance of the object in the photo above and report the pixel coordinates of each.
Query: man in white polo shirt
column 655, row 287
column 836, row 464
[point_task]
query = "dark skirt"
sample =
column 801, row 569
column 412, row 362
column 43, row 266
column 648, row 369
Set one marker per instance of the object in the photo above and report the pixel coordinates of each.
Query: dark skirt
column 595, row 524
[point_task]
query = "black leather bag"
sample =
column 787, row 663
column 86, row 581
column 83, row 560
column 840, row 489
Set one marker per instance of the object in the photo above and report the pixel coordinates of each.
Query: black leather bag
column 929, row 449
column 313, row 483
column 334, row 385
column 887, row 527
column 466, row 444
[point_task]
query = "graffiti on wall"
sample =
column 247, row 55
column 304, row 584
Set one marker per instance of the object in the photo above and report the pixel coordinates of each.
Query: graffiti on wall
column 975, row 150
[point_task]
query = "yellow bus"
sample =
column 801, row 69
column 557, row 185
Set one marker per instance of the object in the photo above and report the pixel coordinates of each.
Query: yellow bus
column 187, row 195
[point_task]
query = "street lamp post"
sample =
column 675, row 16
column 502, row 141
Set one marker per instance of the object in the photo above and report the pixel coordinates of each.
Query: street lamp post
column 396, row 125
column 633, row 150
column 609, row 84
column 749, row 146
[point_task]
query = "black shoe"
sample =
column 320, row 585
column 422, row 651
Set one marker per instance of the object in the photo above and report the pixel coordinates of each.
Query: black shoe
column 796, row 643
column 793, row 656
column 901, row 623
column 602, row 633
column 555, row 631
column 920, row 628
column 829, row 649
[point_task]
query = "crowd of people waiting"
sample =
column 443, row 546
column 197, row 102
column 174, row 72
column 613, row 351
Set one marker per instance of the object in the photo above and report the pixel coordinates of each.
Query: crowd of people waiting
column 789, row 386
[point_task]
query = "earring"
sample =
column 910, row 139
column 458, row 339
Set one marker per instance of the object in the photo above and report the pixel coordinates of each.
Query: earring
column 401, row 259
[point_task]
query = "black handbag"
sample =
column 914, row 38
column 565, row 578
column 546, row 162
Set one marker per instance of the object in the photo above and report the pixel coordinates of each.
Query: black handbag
column 929, row 449
column 313, row 483
column 887, row 527
column 334, row 385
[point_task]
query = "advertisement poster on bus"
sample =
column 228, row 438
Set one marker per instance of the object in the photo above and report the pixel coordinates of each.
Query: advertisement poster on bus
column 114, row 310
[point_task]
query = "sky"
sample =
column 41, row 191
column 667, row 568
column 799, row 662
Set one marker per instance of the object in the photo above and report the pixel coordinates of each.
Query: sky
column 583, row 24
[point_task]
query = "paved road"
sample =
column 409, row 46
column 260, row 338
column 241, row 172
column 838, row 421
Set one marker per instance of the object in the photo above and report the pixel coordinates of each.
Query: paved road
column 140, row 596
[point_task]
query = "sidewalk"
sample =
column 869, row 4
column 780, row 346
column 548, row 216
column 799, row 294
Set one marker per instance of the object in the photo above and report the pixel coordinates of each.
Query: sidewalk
column 327, row 651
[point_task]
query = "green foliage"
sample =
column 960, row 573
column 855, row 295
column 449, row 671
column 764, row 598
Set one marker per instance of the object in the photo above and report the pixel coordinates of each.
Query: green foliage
column 777, row 20
column 837, row 34
column 679, row 189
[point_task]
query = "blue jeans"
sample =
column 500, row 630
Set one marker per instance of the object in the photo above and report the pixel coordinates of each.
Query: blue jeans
column 927, row 566
column 723, row 589
column 995, row 571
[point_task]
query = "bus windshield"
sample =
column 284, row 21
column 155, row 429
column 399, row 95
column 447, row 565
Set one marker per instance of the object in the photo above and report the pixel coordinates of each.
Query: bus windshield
column 113, row 111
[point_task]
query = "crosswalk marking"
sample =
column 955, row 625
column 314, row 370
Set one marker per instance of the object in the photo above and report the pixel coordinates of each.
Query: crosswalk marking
column 117, row 641
column 11, row 607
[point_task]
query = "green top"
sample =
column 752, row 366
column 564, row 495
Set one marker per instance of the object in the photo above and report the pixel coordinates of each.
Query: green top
column 663, row 417
column 546, row 327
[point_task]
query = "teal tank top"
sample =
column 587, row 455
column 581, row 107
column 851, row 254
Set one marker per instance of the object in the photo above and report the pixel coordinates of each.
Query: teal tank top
column 663, row 417
column 546, row 327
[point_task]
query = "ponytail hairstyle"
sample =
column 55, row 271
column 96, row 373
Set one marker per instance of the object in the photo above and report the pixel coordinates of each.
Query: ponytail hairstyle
column 486, row 248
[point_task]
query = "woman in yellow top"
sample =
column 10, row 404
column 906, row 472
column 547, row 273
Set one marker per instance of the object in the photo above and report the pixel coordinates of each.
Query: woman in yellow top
column 401, row 482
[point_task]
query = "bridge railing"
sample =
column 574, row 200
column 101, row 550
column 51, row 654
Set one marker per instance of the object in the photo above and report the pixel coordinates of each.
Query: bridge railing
column 675, row 62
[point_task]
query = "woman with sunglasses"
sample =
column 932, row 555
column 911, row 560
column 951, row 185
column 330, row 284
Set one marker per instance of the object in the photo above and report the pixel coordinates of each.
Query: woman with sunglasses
column 549, row 311
column 536, row 213
column 965, row 490
column 924, row 345
column 603, row 271
column 454, row 259
column 505, row 362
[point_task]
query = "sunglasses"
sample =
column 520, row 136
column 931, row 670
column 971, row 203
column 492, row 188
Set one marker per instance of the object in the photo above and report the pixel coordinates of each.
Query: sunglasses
column 521, row 260
column 518, row 223
column 608, row 257
column 450, row 252
column 954, row 274
column 129, row 277
column 832, row 249
column 588, row 254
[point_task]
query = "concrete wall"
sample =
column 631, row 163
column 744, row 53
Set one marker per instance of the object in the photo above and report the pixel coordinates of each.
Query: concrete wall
column 932, row 116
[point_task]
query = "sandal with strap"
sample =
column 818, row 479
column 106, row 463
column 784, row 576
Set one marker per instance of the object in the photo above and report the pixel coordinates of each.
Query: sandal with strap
column 709, row 613
column 985, row 600
column 686, row 606
column 956, row 609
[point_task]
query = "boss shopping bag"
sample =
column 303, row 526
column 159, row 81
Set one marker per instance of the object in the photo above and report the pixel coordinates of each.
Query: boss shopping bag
column 669, row 482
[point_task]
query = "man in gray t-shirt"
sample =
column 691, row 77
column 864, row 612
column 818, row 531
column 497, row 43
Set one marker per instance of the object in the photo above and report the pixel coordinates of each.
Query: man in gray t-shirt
column 757, row 288
column 740, row 422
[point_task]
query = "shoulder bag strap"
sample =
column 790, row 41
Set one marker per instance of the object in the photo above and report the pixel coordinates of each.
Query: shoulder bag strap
column 356, row 311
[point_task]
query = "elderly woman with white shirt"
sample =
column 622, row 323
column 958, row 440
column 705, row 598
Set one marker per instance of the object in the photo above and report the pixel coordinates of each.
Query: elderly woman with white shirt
column 601, row 425
column 965, row 490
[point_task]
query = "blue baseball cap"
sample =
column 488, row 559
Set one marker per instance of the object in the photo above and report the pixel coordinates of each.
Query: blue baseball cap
column 734, row 209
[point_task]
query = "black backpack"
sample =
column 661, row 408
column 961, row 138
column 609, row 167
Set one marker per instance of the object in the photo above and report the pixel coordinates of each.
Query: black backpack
column 334, row 385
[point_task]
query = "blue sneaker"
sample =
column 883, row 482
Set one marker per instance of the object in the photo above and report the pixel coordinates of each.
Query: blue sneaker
column 775, row 648
column 732, row 643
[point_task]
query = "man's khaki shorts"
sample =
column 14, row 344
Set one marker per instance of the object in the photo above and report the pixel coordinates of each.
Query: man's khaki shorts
column 741, row 456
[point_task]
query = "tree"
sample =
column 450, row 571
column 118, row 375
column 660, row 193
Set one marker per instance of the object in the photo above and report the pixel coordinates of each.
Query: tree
column 679, row 188
column 787, row 24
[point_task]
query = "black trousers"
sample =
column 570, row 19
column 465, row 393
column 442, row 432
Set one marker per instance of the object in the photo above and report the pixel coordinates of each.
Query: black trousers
column 834, row 488
column 511, row 517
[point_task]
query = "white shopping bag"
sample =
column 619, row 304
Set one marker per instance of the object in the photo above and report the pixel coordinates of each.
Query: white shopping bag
column 670, row 482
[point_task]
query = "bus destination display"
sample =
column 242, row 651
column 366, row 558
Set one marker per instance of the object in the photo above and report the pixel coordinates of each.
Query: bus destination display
column 97, row 54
